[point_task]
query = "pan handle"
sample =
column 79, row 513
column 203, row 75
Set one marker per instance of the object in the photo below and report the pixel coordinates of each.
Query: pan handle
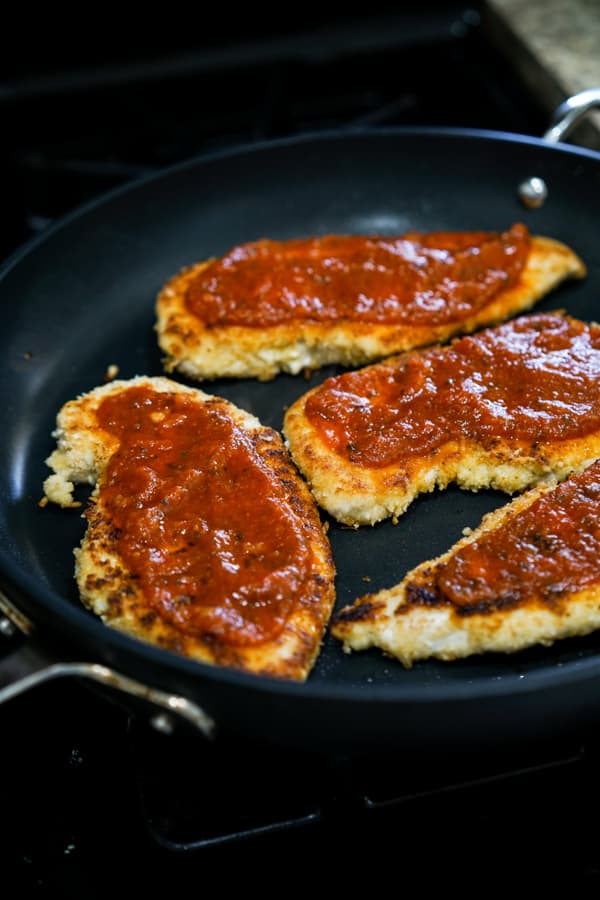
column 568, row 114
column 33, row 661
column 534, row 191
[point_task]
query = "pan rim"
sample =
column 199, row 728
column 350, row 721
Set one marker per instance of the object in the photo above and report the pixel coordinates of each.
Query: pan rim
column 162, row 661
column 307, row 137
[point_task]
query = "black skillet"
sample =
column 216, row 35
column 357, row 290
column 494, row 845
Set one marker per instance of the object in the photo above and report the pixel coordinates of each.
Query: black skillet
column 81, row 299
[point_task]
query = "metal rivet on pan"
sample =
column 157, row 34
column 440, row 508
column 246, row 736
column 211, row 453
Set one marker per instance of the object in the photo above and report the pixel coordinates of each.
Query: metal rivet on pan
column 533, row 192
column 163, row 723
column 7, row 628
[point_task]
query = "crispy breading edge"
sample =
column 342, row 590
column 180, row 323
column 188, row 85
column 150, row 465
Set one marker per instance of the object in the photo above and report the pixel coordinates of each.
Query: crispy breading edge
column 411, row 633
column 356, row 495
column 107, row 589
column 203, row 353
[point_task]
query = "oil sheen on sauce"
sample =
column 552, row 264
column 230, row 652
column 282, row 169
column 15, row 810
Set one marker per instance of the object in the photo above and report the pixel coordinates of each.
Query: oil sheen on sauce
column 419, row 279
column 200, row 519
column 531, row 380
column 542, row 555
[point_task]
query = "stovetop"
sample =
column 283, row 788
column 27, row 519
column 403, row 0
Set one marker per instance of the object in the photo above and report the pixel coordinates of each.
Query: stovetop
column 93, row 797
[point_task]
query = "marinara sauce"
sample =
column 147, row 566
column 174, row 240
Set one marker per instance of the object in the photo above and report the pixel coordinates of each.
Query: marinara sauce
column 534, row 379
column 545, row 553
column 418, row 279
column 199, row 518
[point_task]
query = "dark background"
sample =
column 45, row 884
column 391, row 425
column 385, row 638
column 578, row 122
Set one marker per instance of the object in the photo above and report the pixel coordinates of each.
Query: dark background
column 91, row 103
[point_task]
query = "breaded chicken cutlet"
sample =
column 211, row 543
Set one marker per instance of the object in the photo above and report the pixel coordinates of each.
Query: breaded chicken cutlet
column 528, row 575
column 505, row 408
column 286, row 306
column 201, row 536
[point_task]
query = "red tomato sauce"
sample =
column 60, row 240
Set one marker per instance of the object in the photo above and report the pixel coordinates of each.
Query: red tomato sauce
column 200, row 519
column 417, row 279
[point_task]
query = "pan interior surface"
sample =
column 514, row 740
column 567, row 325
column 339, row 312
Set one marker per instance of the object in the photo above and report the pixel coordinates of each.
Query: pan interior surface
column 81, row 299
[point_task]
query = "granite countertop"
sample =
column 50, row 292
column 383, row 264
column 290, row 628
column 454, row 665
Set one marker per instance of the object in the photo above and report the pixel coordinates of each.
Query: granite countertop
column 555, row 47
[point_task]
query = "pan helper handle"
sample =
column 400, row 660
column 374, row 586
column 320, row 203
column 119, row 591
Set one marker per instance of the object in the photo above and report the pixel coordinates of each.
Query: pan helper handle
column 534, row 191
column 33, row 662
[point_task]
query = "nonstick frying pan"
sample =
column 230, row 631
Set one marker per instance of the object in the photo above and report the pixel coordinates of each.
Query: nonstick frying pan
column 81, row 299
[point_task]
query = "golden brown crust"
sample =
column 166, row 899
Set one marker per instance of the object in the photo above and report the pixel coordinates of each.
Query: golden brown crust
column 113, row 593
column 412, row 632
column 358, row 495
column 241, row 352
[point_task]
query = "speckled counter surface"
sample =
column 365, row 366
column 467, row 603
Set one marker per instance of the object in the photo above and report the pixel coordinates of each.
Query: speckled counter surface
column 555, row 46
